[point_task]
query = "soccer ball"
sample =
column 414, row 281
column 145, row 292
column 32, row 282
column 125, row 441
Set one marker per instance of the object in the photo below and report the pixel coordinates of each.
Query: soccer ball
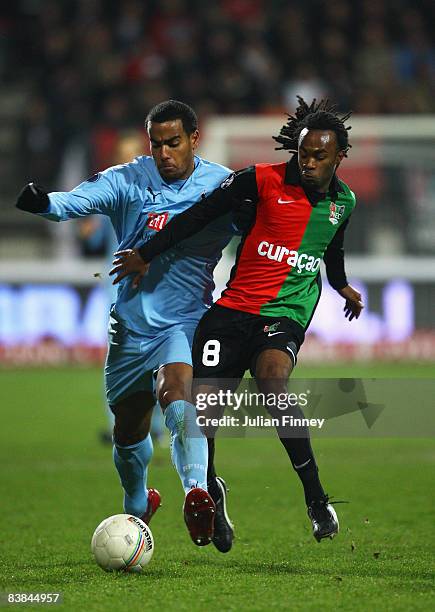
column 122, row 542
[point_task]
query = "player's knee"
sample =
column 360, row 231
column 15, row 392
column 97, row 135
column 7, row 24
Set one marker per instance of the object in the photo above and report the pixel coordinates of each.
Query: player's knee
column 123, row 438
column 273, row 384
column 269, row 370
column 173, row 393
column 174, row 383
column 126, row 433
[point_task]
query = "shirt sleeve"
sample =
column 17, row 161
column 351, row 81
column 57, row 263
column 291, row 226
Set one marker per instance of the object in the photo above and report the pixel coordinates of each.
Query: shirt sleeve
column 229, row 196
column 334, row 259
column 98, row 195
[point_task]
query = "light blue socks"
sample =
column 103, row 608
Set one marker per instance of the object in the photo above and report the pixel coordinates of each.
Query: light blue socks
column 132, row 465
column 189, row 450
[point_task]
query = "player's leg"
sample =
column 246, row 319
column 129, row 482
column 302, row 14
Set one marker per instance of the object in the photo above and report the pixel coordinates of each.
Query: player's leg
column 223, row 527
column 188, row 444
column 207, row 413
column 216, row 485
column 128, row 381
column 223, row 535
column 132, row 451
column 188, row 449
column 272, row 370
column 219, row 364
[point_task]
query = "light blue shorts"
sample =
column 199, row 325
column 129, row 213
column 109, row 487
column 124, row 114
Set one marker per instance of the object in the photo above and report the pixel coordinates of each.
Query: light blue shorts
column 132, row 358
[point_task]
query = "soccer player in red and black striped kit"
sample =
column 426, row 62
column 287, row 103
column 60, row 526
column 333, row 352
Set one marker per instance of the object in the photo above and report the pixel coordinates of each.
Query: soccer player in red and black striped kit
column 299, row 212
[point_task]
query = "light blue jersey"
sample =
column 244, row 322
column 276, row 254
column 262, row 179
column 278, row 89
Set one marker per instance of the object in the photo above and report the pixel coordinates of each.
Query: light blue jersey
column 154, row 324
column 139, row 202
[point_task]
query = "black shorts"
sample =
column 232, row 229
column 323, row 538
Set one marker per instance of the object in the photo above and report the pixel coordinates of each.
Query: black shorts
column 227, row 342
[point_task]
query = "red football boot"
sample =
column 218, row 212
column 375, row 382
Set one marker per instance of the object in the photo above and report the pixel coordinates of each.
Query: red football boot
column 199, row 511
column 154, row 503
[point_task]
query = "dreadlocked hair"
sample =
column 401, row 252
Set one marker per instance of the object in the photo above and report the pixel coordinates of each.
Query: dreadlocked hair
column 317, row 116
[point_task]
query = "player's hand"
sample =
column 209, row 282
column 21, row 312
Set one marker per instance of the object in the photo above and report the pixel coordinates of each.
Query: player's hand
column 352, row 308
column 33, row 199
column 128, row 262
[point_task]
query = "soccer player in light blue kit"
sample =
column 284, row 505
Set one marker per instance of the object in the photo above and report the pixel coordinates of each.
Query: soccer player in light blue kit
column 152, row 323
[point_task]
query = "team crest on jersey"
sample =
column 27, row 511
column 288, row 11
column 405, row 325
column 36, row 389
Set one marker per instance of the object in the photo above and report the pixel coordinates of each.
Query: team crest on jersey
column 157, row 221
column 271, row 328
column 335, row 213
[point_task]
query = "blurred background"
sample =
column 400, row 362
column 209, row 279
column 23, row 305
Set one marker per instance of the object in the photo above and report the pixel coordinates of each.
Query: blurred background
column 78, row 78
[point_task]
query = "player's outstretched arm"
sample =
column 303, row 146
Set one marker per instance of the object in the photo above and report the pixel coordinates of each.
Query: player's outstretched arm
column 235, row 189
column 100, row 194
column 232, row 194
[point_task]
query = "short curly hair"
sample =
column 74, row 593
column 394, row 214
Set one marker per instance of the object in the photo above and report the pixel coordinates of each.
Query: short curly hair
column 171, row 110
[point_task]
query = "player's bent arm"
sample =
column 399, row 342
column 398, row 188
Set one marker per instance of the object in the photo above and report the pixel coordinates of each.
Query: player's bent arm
column 334, row 259
column 90, row 197
column 234, row 190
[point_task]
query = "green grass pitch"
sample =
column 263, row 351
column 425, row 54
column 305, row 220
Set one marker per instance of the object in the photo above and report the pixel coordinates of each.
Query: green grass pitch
column 58, row 483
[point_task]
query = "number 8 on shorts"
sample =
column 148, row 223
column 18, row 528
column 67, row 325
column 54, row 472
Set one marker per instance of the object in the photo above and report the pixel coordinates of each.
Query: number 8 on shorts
column 210, row 353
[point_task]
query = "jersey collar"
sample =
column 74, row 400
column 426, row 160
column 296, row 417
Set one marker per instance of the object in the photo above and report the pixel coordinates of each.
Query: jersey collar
column 293, row 177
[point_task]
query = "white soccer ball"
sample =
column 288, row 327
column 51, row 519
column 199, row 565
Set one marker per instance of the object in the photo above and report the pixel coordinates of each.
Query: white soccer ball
column 122, row 542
